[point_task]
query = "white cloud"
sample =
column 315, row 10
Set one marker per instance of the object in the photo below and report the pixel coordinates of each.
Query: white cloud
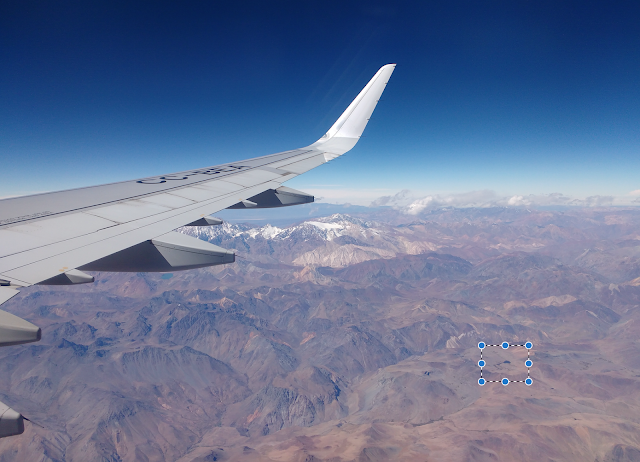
column 483, row 198
column 599, row 201
column 548, row 199
column 346, row 195
column 418, row 206
column 517, row 200
column 400, row 198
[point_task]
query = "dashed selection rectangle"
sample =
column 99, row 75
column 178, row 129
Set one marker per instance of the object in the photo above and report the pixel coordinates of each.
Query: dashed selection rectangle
column 482, row 363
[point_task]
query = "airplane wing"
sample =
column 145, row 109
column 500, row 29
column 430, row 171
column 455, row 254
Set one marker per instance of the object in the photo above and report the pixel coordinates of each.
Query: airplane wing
column 128, row 226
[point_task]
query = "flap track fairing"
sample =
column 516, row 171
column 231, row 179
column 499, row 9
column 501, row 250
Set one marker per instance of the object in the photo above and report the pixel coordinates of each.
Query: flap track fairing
column 170, row 252
column 11, row 422
column 68, row 278
column 16, row 331
column 206, row 221
column 271, row 198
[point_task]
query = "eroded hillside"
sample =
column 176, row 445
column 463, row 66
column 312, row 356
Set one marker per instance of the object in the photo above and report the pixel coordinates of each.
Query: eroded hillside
column 347, row 338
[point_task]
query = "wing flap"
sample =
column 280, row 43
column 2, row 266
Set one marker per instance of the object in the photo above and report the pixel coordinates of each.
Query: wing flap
column 27, row 236
column 219, row 187
column 305, row 165
column 252, row 177
column 196, row 194
column 168, row 200
column 128, row 211
column 7, row 293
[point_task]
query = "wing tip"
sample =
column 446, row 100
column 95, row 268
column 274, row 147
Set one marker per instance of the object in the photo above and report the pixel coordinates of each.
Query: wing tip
column 346, row 131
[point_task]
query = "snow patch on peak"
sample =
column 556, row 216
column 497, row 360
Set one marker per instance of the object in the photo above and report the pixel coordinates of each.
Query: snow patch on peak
column 326, row 226
column 210, row 233
column 267, row 232
column 345, row 219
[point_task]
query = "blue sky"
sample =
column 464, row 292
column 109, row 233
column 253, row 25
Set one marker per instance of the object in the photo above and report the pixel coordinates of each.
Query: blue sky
column 519, row 98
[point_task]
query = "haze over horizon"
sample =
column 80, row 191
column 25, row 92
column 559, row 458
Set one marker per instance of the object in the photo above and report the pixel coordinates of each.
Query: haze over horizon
column 490, row 103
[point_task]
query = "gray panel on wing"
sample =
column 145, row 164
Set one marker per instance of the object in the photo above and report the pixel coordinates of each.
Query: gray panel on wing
column 253, row 177
column 24, row 236
column 303, row 165
column 128, row 211
column 16, row 331
column 11, row 422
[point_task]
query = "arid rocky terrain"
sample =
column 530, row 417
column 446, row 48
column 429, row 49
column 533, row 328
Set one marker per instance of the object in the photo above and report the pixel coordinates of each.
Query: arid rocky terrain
column 347, row 338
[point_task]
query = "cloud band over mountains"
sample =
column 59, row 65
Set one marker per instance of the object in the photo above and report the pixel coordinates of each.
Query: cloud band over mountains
column 407, row 202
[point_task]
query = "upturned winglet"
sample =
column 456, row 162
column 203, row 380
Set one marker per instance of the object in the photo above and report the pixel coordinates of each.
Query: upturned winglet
column 346, row 131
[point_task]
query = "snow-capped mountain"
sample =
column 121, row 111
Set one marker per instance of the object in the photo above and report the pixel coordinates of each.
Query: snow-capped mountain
column 327, row 228
column 337, row 240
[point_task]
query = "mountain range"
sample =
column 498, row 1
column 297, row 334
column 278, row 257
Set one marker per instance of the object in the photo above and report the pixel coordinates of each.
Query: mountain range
column 347, row 338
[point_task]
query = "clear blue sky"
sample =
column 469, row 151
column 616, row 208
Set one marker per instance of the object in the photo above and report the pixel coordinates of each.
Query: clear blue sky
column 519, row 97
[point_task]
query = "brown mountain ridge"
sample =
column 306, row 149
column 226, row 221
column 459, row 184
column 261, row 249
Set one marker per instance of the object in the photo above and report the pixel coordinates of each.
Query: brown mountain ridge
column 347, row 339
